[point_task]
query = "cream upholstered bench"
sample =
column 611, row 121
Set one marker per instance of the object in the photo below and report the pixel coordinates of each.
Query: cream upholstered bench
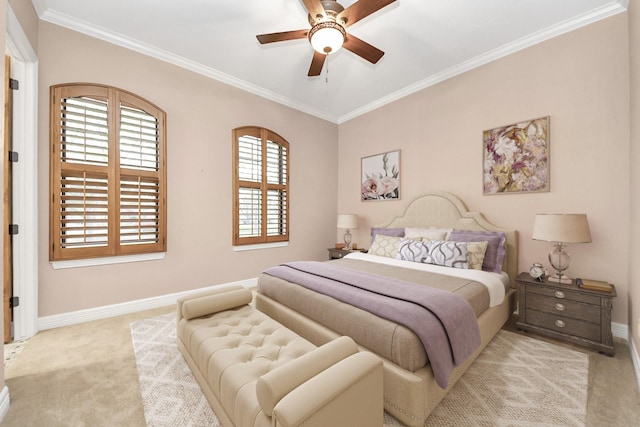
column 256, row 372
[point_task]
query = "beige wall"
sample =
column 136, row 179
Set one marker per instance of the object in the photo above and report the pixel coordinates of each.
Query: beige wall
column 580, row 80
column 201, row 113
column 634, row 252
column 28, row 18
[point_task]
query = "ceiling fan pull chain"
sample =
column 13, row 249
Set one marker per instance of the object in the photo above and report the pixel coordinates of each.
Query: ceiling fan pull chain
column 326, row 75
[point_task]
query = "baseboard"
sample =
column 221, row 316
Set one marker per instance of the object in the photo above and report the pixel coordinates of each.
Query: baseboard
column 635, row 359
column 620, row 330
column 80, row 316
column 5, row 402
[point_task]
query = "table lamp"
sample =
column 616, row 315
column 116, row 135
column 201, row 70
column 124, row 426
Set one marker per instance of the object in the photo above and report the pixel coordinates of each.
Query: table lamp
column 561, row 228
column 347, row 221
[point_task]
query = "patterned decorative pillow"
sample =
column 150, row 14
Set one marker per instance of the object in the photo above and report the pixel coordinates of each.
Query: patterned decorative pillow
column 427, row 233
column 397, row 232
column 413, row 250
column 385, row 246
column 475, row 253
column 496, row 252
column 438, row 252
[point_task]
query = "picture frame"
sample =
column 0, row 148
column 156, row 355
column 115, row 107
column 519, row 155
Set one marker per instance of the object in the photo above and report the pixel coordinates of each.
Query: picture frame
column 516, row 158
column 380, row 176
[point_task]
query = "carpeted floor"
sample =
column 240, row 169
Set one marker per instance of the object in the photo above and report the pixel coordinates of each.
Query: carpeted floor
column 86, row 375
column 517, row 380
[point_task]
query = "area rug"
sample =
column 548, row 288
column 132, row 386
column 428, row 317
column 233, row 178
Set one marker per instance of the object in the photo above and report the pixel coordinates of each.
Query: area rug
column 517, row 380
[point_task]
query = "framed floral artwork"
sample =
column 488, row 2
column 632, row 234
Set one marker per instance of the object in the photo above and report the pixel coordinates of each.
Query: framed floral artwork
column 381, row 176
column 516, row 157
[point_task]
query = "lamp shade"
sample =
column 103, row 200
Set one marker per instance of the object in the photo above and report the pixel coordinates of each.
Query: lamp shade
column 327, row 37
column 348, row 221
column 566, row 228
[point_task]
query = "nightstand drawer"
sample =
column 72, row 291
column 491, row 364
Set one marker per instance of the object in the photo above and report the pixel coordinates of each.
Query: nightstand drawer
column 563, row 294
column 565, row 325
column 566, row 312
column 564, row 307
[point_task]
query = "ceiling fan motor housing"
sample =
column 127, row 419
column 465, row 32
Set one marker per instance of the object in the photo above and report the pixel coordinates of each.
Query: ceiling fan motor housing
column 331, row 8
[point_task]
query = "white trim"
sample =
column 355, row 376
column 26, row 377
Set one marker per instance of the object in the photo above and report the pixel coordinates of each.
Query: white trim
column 5, row 402
column 635, row 359
column 610, row 9
column 87, row 315
column 90, row 262
column 260, row 246
column 605, row 11
column 107, row 35
column 25, row 178
column 620, row 330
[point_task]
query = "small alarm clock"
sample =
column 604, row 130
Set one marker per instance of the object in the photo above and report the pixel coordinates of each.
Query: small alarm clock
column 537, row 271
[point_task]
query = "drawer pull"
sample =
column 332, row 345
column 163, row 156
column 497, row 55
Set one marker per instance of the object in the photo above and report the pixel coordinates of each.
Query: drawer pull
column 559, row 294
column 560, row 306
column 560, row 324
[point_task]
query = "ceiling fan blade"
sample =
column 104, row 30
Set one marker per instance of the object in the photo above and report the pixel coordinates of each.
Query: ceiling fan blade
column 285, row 35
column 316, row 63
column 315, row 9
column 361, row 9
column 363, row 49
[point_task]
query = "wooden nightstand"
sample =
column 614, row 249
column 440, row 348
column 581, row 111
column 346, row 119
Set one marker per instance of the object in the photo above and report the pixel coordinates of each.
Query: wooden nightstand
column 566, row 312
column 339, row 253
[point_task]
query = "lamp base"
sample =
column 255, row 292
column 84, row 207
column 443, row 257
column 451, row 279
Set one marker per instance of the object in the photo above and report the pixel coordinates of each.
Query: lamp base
column 347, row 240
column 561, row 279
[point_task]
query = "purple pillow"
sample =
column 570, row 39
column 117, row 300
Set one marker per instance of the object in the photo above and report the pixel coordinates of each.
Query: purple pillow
column 394, row 232
column 494, row 257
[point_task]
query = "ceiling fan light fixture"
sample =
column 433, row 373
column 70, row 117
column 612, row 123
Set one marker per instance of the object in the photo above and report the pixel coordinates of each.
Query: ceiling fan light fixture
column 327, row 37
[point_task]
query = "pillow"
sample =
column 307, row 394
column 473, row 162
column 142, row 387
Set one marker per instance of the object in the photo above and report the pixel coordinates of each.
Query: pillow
column 438, row 252
column 475, row 253
column 385, row 246
column 494, row 256
column 209, row 304
column 397, row 232
column 412, row 250
column 427, row 233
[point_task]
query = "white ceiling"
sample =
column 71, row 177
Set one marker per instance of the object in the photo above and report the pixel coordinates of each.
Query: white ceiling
column 425, row 42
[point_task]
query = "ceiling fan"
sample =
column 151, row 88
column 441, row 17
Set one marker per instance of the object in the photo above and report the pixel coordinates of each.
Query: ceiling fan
column 329, row 21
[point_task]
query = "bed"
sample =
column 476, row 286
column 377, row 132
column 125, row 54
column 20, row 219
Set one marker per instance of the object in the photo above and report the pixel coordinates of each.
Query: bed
column 411, row 388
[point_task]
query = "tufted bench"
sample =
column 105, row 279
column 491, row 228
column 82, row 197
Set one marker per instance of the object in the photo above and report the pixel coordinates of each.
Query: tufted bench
column 255, row 372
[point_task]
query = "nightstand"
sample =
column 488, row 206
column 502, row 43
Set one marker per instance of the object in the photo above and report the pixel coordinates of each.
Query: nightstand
column 339, row 253
column 566, row 312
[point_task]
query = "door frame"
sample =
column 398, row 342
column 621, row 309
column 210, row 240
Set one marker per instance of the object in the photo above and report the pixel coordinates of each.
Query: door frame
column 24, row 66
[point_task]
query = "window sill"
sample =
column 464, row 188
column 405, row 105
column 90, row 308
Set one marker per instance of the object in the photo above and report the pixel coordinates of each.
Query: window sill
column 91, row 262
column 260, row 246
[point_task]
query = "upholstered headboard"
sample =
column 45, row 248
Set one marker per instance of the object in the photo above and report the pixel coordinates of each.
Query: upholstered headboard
column 444, row 210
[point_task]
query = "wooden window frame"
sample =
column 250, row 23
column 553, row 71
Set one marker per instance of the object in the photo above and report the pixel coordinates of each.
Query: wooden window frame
column 134, row 213
column 263, row 185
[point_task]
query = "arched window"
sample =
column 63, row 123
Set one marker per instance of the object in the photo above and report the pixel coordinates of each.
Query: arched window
column 260, row 186
column 108, row 173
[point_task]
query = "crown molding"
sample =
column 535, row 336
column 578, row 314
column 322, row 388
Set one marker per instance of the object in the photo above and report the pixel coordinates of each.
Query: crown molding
column 109, row 36
column 606, row 11
column 612, row 8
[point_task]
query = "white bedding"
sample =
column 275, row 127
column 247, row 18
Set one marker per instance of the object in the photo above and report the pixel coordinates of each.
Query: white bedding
column 496, row 283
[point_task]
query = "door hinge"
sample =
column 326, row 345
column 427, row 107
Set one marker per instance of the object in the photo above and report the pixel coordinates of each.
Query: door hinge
column 13, row 156
column 14, row 84
column 14, row 302
column 14, row 229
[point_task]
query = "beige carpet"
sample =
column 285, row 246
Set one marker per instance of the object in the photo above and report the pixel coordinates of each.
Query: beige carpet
column 516, row 381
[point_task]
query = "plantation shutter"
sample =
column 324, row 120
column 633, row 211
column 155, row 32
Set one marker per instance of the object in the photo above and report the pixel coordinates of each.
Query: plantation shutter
column 261, row 204
column 107, row 173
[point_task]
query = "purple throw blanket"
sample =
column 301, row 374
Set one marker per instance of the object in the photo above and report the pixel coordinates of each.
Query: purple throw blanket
column 445, row 323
